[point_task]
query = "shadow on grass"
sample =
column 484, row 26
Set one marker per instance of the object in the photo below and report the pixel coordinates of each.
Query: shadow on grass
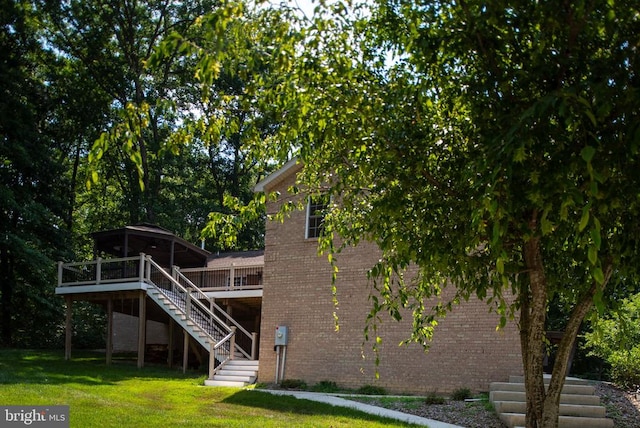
column 293, row 405
column 85, row 367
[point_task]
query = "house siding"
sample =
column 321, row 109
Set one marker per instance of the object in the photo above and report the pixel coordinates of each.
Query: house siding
column 466, row 350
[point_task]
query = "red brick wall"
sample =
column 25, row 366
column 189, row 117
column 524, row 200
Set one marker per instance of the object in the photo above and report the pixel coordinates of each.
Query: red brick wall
column 466, row 350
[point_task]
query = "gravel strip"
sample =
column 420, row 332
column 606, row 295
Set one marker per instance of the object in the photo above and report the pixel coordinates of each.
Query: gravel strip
column 623, row 407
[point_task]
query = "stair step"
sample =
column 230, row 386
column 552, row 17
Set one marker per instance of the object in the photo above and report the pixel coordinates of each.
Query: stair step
column 565, row 409
column 245, row 363
column 580, row 399
column 197, row 327
column 519, row 387
column 547, row 378
column 234, row 384
column 229, row 372
column 242, row 369
column 243, row 378
column 518, row 419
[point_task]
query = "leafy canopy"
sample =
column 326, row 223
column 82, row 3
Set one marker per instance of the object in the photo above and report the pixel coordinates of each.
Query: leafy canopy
column 453, row 134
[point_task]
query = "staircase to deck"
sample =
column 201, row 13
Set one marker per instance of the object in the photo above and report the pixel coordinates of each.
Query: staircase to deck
column 230, row 364
column 237, row 372
column 175, row 307
column 579, row 406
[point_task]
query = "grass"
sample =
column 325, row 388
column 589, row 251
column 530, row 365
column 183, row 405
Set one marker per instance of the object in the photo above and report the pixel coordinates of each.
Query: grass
column 121, row 395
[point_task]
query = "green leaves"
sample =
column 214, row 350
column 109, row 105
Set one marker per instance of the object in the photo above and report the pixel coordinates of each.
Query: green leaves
column 587, row 153
column 584, row 220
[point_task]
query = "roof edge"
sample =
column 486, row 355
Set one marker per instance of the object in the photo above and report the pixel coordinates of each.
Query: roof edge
column 277, row 175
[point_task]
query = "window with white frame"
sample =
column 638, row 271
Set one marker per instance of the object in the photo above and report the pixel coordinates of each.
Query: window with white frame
column 316, row 210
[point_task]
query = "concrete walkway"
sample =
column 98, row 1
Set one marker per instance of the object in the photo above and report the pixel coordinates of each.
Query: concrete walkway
column 367, row 408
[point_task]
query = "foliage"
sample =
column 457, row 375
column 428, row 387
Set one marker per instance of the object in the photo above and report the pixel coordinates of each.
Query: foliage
column 433, row 398
column 293, row 384
column 137, row 149
column 615, row 337
column 461, row 394
column 371, row 390
column 497, row 151
column 33, row 189
column 326, row 386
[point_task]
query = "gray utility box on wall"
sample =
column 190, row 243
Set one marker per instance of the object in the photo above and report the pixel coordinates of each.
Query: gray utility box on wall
column 282, row 335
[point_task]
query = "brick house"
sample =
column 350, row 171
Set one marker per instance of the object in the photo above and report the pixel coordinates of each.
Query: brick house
column 232, row 305
column 467, row 351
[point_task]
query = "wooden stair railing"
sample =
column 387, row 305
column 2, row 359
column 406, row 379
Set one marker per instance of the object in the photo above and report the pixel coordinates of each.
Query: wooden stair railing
column 245, row 342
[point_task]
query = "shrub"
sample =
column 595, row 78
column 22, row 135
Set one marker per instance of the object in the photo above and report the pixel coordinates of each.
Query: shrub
column 434, row 398
column 461, row 394
column 625, row 367
column 325, row 386
column 293, row 384
column 615, row 338
column 371, row 390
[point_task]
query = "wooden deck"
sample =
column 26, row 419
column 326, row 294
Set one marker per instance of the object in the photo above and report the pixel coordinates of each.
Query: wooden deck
column 128, row 273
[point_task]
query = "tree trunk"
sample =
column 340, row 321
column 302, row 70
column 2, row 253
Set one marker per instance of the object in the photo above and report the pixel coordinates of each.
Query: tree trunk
column 543, row 407
column 7, row 281
column 532, row 330
column 561, row 365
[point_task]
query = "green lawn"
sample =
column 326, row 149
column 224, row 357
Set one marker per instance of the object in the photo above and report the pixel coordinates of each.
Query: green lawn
column 123, row 396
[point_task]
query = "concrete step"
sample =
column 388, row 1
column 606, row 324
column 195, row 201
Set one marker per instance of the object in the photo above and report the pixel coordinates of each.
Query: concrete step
column 245, row 379
column 518, row 419
column 244, row 363
column 242, row 373
column 565, row 409
column 234, row 384
column 581, row 399
column 243, row 369
column 547, row 378
column 519, row 387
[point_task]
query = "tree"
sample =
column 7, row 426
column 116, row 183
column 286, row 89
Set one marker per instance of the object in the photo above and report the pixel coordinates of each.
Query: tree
column 110, row 43
column 33, row 191
column 229, row 121
column 494, row 146
column 154, row 103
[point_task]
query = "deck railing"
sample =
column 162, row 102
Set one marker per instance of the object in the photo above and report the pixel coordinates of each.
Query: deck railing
column 127, row 269
column 101, row 271
column 226, row 278
column 246, row 342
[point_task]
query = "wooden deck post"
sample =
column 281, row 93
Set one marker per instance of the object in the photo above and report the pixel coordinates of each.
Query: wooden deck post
column 142, row 327
column 212, row 360
column 232, row 345
column 254, row 345
column 109, row 330
column 172, row 324
column 68, row 328
column 60, row 264
column 185, row 351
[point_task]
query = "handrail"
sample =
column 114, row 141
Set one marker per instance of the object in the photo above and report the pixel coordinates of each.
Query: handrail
column 227, row 343
column 189, row 298
column 229, row 319
column 98, row 271
column 211, row 269
column 233, row 277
